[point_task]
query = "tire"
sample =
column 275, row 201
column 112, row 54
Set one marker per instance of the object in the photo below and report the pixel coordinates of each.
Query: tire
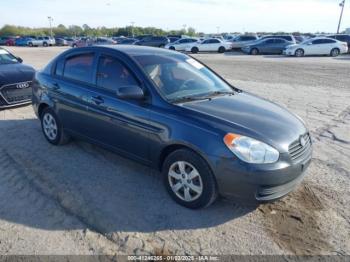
column 201, row 189
column 49, row 123
column 299, row 52
column 45, row 44
column 74, row 45
column 335, row 52
column 222, row 49
column 30, row 44
column 254, row 51
column 194, row 50
column 161, row 46
column 172, row 48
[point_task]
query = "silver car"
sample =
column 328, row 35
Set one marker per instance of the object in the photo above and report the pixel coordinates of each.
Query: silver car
column 243, row 40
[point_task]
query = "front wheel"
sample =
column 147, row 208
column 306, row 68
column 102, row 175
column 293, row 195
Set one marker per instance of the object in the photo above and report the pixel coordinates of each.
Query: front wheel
column 194, row 50
column 189, row 179
column 299, row 52
column 172, row 48
column 222, row 49
column 52, row 128
column 254, row 51
column 335, row 52
column 30, row 44
column 45, row 44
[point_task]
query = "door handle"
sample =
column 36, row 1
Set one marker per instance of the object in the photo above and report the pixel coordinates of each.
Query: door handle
column 97, row 100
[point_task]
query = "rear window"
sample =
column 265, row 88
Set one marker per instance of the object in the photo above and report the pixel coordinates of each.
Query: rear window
column 79, row 67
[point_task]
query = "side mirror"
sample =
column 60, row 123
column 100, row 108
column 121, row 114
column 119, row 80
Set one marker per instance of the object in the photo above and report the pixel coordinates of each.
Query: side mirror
column 130, row 92
column 20, row 60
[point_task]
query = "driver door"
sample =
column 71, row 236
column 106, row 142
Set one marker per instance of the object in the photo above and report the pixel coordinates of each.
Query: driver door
column 118, row 123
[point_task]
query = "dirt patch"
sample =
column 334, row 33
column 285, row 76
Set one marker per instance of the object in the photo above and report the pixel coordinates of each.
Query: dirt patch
column 292, row 222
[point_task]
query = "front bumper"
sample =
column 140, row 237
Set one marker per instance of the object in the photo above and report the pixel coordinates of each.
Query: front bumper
column 15, row 94
column 259, row 183
column 289, row 52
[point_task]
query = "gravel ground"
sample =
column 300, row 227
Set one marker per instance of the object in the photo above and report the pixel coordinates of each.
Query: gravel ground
column 81, row 199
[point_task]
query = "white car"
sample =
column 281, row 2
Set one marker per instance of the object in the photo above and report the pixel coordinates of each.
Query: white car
column 210, row 45
column 181, row 44
column 317, row 46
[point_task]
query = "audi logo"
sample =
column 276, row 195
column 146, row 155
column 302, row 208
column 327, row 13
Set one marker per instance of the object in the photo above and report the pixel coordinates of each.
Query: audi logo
column 22, row 85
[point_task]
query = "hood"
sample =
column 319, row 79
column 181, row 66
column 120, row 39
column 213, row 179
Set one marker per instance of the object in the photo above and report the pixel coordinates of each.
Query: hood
column 252, row 116
column 15, row 73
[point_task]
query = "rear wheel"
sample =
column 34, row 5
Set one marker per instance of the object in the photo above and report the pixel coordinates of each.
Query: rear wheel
column 194, row 50
column 335, row 52
column 52, row 128
column 172, row 48
column 161, row 46
column 74, row 45
column 299, row 52
column 189, row 179
column 254, row 51
column 45, row 44
column 30, row 44
column 222, row 49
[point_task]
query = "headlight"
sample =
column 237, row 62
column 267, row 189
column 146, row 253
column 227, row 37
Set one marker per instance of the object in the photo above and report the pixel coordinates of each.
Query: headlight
column 250, row 150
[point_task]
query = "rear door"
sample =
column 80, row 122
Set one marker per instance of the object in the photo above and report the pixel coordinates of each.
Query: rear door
column 73, row 76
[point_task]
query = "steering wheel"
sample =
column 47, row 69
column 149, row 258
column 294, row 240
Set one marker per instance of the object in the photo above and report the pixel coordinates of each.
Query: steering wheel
column 185, row 84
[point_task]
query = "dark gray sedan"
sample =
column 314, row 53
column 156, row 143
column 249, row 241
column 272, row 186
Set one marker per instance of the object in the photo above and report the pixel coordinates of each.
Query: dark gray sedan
column 267, row 46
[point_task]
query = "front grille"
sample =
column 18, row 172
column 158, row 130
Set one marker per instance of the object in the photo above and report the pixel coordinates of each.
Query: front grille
column 12, row 94
column 297, row 150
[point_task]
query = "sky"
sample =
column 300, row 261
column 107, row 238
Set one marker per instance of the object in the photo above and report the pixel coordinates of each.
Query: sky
column 207, row 16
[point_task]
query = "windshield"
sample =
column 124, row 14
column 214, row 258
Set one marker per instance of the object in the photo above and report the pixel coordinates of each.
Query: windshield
column 181, row 77
column 7, row 58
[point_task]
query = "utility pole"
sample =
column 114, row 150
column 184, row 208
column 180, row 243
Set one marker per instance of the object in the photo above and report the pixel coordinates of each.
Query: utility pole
column 342, row 4
column 50, row 21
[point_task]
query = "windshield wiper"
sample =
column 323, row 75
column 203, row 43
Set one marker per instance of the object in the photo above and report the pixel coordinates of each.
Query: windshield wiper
column 188, row 99
column 217, row 93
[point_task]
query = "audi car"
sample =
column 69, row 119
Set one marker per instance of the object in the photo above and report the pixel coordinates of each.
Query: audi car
column 15, row 80
column 171, row 112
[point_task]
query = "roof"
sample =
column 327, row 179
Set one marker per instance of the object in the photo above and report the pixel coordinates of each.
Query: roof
column 134, row 50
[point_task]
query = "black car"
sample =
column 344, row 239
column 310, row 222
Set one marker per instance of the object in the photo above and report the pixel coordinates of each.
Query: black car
column 155, row 41
column 267, row 46
column 342, row 37
column 169, row 111
column 15, row 80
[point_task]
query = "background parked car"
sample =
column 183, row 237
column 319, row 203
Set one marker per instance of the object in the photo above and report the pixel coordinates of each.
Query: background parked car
column 128, row 41
column 267, row 46
column 210, row 45
column 15, row 80
column 318, row 46
column 7, row 40
column 23, row 41
column 48, row 41
column 181, row 44
column 61, row 41
column 103, row 41
column 299, row 39
column 243, row 40
column 289, row 38
column 173, row 39
column 155, row 41
column 70, row 41
column 343, row 38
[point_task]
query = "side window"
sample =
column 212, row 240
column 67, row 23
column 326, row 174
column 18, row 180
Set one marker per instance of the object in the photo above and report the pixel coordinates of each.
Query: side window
column 183, row 41
column 215, row 41
column 59, row 67
column 206, row 42
column 317, row 42
column 111, row 74
column 328, row 41
column 279, row 41
column 79, row 67
column 270, row 41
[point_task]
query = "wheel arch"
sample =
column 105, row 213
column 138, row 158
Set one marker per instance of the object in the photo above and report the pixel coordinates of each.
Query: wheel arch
column 168, row 149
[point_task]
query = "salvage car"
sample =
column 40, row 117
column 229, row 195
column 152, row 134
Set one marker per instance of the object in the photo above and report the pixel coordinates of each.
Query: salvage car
column 209, row 45
column 267, row 46
column 15, row 80
column 317, row 46
column 169, row 111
